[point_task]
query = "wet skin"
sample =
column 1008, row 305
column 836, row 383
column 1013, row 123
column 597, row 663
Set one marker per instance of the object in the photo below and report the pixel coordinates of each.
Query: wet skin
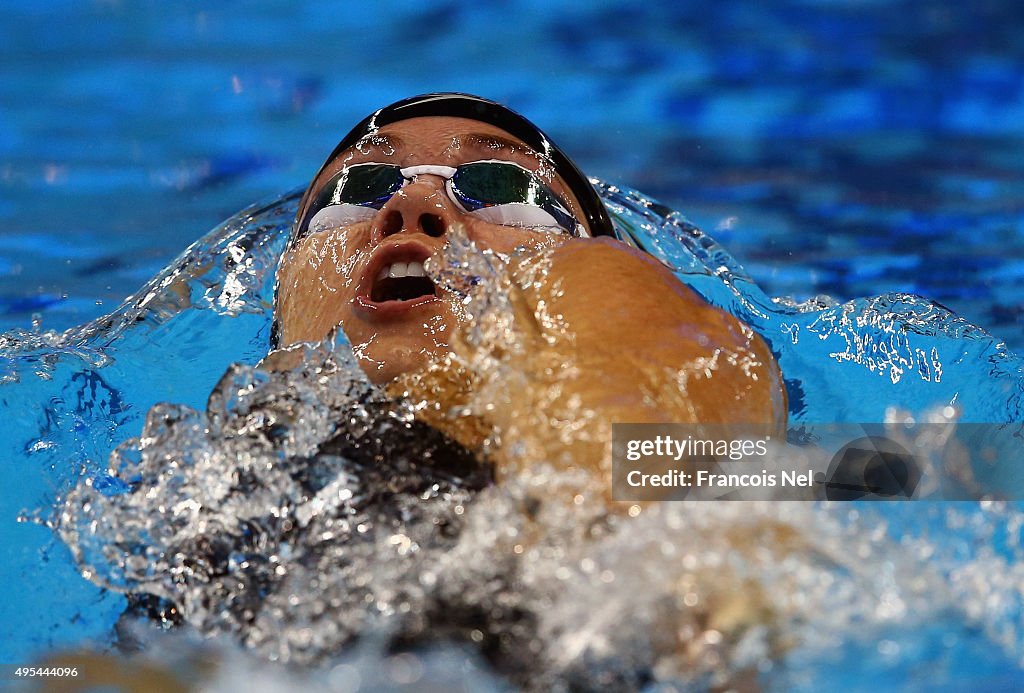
column 645, row 347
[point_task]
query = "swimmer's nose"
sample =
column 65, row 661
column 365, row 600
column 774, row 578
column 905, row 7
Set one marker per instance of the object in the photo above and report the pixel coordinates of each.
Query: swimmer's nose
column 419, row 207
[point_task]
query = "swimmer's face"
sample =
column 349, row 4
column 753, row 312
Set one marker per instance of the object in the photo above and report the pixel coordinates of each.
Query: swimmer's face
column 362, row 274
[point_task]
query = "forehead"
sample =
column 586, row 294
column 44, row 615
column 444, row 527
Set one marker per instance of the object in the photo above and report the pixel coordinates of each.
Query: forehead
column 436, row 140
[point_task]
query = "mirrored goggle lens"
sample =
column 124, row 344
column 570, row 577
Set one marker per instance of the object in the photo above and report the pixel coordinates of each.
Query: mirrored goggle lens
column 485, row 184
column 353, row 195
column 370, row 185
column 506, row 193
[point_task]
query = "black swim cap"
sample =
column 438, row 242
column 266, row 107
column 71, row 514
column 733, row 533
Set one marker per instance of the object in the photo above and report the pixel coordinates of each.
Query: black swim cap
column 458, row 105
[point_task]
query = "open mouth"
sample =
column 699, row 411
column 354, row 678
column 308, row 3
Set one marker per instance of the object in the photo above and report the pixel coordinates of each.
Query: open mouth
column 395, row 281
column 401, row 281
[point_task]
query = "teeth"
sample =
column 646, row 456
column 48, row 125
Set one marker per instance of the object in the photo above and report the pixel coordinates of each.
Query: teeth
column 402, row 269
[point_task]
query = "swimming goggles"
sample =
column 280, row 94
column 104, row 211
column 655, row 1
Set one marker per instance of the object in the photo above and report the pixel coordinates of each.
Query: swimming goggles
column 500, row 192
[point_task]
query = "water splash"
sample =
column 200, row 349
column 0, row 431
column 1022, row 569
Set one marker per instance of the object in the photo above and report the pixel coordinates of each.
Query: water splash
column 297, row 512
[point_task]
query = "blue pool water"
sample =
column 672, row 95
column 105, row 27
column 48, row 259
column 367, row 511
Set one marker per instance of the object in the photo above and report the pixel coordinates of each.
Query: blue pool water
column 853, row 596
column 827, row 148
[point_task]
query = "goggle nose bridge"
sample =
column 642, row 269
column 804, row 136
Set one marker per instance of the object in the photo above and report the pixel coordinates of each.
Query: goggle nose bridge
column 410, row 172
column 447, row 173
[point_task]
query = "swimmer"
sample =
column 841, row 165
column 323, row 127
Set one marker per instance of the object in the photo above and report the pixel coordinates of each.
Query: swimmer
column 610, row 330
column 600, row 333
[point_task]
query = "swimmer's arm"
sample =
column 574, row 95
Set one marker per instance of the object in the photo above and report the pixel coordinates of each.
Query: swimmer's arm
column 649, row 348
column 609, row 335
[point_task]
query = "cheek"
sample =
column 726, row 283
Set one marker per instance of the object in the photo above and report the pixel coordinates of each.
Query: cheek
column 316, row 284
column 332, row 258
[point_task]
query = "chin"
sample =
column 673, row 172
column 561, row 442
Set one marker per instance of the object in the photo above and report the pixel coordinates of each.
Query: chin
column 397, row 362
